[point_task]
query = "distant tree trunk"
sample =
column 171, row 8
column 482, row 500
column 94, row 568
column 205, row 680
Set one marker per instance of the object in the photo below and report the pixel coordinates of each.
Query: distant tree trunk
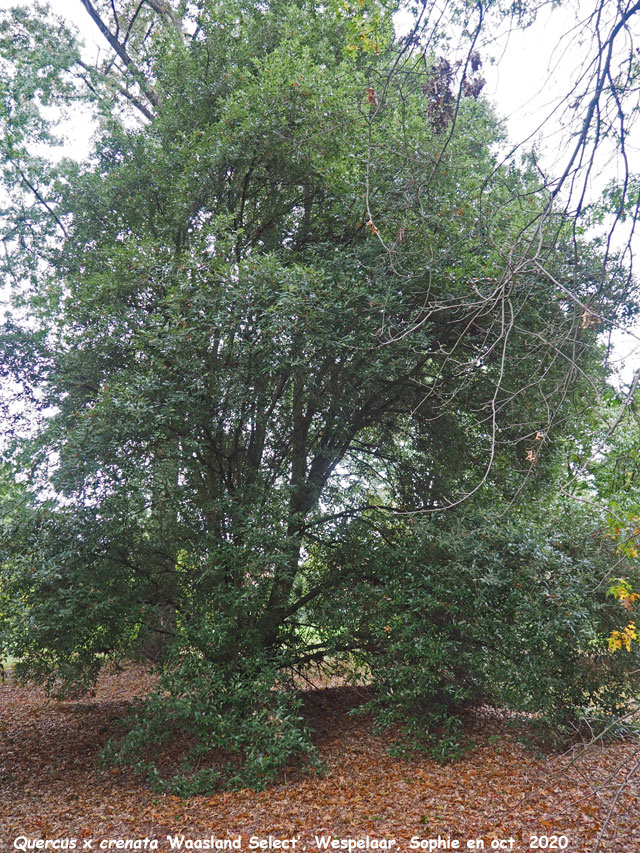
column 159, row 626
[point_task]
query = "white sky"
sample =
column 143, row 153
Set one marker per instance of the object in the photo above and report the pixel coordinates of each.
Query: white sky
column 534, row 70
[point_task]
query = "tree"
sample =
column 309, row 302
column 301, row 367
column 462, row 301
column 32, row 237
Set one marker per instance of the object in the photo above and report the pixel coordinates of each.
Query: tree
column 300, row 295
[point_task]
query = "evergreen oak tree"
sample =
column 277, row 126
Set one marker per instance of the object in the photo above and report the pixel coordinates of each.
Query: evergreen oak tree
column 291, row 303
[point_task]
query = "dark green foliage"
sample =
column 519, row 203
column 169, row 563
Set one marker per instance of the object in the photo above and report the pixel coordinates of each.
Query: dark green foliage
column 236, row 724
column 507, row 610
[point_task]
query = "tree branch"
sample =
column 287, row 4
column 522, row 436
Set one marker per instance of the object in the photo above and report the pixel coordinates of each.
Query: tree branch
column 121, row 51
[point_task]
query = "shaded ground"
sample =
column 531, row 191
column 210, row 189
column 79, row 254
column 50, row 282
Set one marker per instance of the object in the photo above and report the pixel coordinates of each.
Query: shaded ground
column 51, row 786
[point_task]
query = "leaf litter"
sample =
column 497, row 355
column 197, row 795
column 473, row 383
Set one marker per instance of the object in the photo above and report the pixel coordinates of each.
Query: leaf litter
column 52, row 785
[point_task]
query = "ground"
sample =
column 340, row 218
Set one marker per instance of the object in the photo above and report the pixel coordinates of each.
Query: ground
column 52, row 787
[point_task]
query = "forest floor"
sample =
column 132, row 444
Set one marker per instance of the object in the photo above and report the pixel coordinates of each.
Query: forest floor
column 52, row 787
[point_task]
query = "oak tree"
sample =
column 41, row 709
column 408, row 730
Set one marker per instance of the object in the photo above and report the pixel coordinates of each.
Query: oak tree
column 293, row 298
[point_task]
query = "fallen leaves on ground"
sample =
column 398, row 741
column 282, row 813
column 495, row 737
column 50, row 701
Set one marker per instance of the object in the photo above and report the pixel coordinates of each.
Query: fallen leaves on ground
column 51, row 785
